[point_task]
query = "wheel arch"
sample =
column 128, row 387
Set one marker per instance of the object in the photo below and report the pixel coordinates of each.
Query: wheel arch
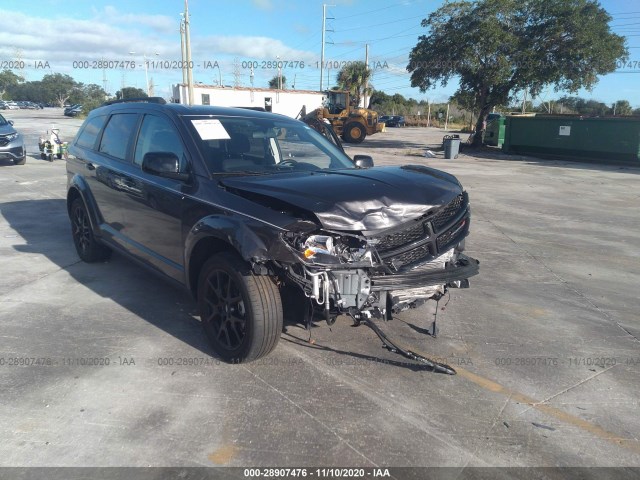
column 214, row 235
column 78, row 189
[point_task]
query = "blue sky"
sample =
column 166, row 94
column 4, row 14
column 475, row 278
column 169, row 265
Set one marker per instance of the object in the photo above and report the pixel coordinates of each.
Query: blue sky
column 73, row 34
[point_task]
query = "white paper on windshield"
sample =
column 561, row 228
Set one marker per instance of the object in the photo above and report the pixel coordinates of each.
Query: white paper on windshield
column 211, row 129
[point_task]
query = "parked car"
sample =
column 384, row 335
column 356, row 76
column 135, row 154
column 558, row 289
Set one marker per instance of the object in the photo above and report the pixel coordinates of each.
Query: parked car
column 384, row 118
column 261, row 218
column 73, row 111
column 11, row 106
column 11, row 143
column 395, row 121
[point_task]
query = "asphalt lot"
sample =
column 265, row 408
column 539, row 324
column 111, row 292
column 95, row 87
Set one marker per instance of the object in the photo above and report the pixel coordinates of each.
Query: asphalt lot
column 546, row 340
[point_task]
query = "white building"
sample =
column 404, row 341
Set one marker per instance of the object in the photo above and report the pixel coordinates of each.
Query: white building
column 285, row 102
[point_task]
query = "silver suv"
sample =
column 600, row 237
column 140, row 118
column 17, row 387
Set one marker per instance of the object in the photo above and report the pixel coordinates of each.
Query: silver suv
column 11, row 143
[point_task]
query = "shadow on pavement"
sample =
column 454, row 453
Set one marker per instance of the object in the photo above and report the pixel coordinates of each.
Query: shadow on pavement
column 44, row 226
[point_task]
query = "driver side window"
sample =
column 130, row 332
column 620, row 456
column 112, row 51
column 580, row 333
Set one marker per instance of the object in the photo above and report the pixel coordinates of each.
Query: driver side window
column 157, row 134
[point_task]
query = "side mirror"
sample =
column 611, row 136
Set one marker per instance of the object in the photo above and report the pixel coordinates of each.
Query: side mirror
column 363, row 161
column 163, row 164
column 10, row 122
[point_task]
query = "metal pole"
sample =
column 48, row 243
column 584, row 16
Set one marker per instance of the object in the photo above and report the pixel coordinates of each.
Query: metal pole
column 187, row 35
column 146, row 72
column 324, row 14
column 366, row 66
column 429, row 114
column 446, row 119
column 183, row 52
column 279, row 72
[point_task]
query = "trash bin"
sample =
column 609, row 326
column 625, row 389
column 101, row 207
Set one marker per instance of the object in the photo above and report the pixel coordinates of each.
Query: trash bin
column 494, row 133
column 451, row 144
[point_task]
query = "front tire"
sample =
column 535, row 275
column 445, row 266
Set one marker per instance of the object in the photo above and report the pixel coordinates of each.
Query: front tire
column 241, row 312
column 354, row 133
column 88, row 248
column 20, row 161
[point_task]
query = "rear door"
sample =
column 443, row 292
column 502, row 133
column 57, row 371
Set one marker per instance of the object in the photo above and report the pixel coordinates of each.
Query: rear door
column 109, row 181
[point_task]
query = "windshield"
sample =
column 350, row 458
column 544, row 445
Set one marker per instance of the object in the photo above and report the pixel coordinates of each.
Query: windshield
column 264, row 146
column 3, row 122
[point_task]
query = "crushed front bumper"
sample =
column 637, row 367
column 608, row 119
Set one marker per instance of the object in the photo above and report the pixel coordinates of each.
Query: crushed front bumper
column 464, row 268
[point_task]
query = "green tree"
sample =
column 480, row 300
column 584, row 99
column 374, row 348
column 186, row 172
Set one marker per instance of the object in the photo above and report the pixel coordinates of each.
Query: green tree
column 622, row 107
column 130, row 92
column 275, row 84
column 498, row 48
column 8, row 79
column 353, row 77
column 89, row 96
column 582, row 106
column 57, row 87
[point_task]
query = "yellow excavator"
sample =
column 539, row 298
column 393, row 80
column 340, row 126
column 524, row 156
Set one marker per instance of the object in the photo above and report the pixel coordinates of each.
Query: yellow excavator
column 349, row 121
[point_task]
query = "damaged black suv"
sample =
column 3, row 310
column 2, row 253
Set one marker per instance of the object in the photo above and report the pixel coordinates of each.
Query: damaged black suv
column 261, row 217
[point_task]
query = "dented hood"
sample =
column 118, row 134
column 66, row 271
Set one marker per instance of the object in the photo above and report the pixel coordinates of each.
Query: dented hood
column 354, row 199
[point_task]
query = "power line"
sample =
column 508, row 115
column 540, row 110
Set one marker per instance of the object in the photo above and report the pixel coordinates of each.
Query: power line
column 369, row 11
column 379, row 24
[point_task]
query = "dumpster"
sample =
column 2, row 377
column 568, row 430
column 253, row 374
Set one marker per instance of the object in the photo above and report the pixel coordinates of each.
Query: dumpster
column 494, row 133
column 601, row 139
column 451, row 144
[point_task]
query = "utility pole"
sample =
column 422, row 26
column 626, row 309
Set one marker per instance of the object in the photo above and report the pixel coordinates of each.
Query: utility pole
column 429, row 113
column 278, row 65
column 237, row 76
column 366, row 66
column 524, row 101
column 324, row 23
column 187, row 41
column 446, row 119
column 183, row 52
column 104, row 81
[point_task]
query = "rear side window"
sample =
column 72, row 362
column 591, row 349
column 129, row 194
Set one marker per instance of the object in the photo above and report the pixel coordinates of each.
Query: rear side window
column 117, row 133
column 88, row 135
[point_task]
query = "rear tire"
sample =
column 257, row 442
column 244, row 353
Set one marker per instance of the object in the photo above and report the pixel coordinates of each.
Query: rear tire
column 88, row 248
column 241, row 312
column 354, row 133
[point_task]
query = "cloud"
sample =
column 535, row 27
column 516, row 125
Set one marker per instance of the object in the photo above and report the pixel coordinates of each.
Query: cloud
column 160, row 23
column 263, row 4
column 261, row 48
column 41, row 38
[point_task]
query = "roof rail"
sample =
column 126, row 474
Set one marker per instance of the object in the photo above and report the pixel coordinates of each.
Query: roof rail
column 257, row 109
column 158, row 100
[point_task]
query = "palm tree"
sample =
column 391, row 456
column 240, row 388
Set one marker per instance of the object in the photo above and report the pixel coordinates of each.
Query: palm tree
column 353, row 77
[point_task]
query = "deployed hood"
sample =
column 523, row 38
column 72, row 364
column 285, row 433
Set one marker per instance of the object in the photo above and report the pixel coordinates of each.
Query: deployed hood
column 354, row 199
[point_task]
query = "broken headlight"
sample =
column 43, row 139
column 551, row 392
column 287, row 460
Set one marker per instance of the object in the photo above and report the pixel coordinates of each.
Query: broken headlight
column 321, row 248
column 318, row 244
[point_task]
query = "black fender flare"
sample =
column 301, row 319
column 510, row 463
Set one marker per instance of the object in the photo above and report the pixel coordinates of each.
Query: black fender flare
column 228, row 230
column 78, row 185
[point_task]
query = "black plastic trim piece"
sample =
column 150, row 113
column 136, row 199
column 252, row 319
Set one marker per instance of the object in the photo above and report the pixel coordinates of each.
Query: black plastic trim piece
column 464, row 268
